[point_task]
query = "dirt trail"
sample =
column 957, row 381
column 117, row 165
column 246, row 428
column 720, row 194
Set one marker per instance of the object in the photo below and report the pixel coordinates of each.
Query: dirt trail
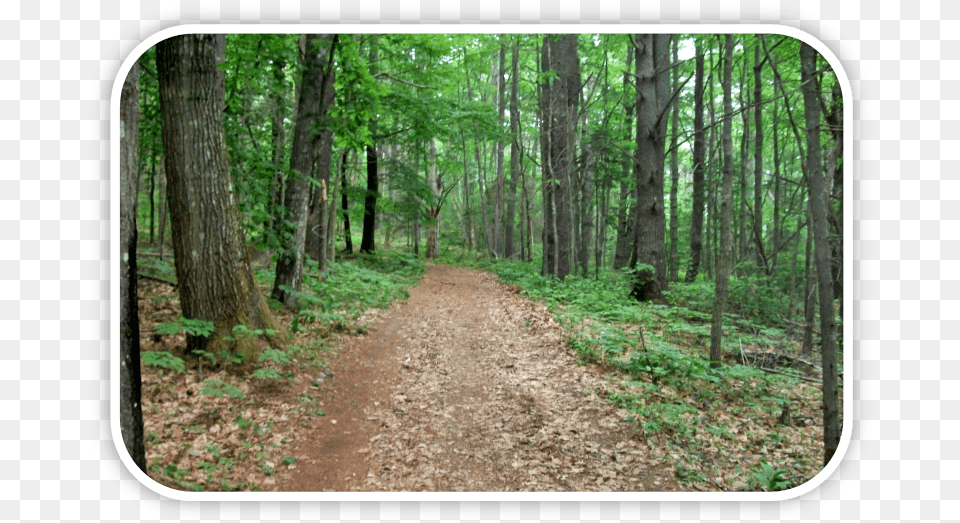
column 467, row 387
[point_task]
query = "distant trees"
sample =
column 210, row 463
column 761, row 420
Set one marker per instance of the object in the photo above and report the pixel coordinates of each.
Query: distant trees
column 548, row 149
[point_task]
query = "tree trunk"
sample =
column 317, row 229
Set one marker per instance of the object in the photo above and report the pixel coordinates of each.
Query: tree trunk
column 819, row 213
column 498, row 234
column 508, row 247
column 563, row 96
column 345, row 204
column 274, row 224
column 318, row 230
column 131, row 411
column 699, row 153
column 674, row 168
column 216, row 282
column 762, row 261
column 373, row 186
column 628, row 192
column 436, row 185
column 162, row 197
column 726, row 210
column 310, row 113
column 652, row 55
column 370, row 202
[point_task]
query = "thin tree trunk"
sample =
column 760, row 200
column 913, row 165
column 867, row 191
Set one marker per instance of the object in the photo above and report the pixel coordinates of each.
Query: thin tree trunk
column 628, row 193
column 162, row 196
column 131, row 411
column 498, row 235
column 743, row 235
column 345, row 204
column 762, row 261
column 508, row 247
column 726, row 211
column 674, row 168
column 367, row 241
column 696, row 228
column 819, row 213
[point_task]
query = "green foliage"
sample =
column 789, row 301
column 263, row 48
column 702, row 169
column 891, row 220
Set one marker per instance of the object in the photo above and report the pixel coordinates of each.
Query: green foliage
column 192, row 327
column 274, row 355
column 240, row 332
column 770, row 479
column 162, row 359
column 217, row 388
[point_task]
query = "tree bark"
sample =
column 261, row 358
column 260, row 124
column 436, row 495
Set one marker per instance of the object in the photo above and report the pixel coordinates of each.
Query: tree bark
column 726, row 210
column 699, row 153
column 652, row 55
column 289, row 271
column 563, row 95
column 345, row 204
column 762, row 261
column 819, row 213
column 508, row 247
column 498, row 234
column 131, row 410
column 367, row 243
column 436, row 185
column 628, row 193
column 674, row 168
column 216, row 282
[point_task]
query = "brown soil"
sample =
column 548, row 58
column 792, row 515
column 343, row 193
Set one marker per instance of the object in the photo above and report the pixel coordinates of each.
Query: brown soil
column 467, row 387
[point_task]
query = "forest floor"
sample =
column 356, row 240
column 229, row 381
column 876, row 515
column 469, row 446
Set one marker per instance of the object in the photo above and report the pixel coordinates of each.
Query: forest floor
column 465, row 386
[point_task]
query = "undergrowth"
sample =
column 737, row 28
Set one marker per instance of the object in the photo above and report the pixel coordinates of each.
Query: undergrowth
column 227, row 392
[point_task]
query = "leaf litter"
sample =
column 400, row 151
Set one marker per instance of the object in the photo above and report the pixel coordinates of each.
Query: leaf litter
column 465, row 387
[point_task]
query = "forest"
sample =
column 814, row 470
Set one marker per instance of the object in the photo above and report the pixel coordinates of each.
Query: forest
column 672, row 203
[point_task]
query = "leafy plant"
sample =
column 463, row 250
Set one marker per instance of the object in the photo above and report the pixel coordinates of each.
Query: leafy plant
column 770, row 479
column 162, row 359
column 217, row 388
column 190, row 326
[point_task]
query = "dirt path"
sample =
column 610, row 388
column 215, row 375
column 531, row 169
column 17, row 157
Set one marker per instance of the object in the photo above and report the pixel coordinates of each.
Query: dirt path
column 467, row 387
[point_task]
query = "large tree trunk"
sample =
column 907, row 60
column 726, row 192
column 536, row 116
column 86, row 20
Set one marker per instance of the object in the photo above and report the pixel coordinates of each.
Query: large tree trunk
column 318, row 229
column 131, row 411
column 699, row 153
column 819, row 213
column 652, row 55
column 216, row 282
column 726, row 208
column 563, row 96
column 289, row 272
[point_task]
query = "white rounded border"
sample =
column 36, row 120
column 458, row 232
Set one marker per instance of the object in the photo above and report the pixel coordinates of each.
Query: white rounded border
column 849, row 342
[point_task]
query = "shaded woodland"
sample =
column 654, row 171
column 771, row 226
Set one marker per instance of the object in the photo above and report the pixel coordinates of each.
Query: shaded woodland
column 702, row 172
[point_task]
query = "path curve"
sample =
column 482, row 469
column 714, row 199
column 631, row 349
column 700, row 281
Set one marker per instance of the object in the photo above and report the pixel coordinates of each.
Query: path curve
column 467, row 387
